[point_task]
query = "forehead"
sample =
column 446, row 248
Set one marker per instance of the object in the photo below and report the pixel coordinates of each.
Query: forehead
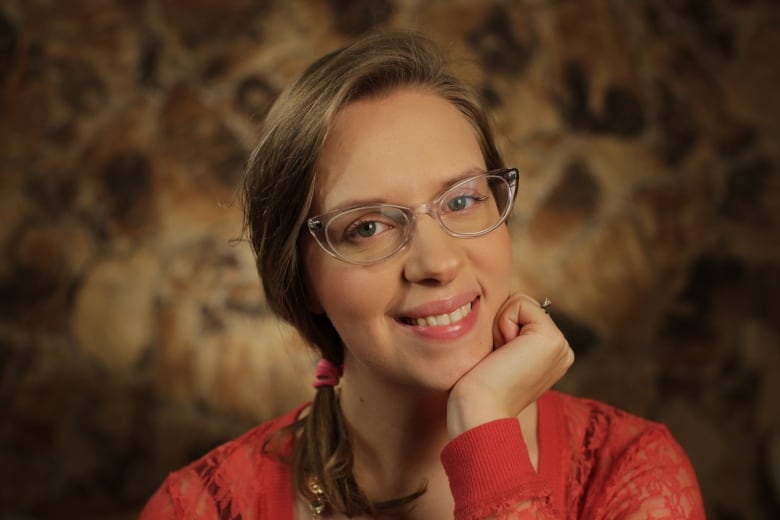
column 401, row 147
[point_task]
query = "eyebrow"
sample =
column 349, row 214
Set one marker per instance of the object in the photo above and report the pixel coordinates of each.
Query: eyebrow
column 354, row 203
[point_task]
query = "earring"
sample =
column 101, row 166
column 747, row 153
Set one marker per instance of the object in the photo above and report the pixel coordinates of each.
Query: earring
column 317, row 506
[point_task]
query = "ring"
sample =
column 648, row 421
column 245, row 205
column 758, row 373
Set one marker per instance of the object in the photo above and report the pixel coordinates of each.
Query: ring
column 546, row 305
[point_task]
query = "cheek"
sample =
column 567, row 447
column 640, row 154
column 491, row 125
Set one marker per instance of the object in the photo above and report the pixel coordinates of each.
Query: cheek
column 349, row 297
column 347, row 294
column 497, row 256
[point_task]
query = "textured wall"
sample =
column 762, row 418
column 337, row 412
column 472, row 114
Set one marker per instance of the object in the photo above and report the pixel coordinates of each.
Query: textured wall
column 133, row 335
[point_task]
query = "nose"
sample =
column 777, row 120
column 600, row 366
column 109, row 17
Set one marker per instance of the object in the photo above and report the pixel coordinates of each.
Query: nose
column 433, row 256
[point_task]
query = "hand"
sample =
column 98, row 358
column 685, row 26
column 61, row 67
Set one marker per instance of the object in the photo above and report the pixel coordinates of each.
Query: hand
column 530, row 356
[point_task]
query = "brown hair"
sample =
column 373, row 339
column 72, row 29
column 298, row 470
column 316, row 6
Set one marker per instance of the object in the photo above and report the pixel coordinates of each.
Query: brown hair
column 278, row 191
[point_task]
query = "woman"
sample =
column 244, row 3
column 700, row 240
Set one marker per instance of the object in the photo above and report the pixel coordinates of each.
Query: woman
column 376, row 203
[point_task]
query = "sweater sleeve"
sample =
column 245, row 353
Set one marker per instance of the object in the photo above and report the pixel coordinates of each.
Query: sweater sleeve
column 491, row 475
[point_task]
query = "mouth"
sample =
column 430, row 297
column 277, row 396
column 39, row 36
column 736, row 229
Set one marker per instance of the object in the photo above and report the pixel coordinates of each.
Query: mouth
column 440, row 320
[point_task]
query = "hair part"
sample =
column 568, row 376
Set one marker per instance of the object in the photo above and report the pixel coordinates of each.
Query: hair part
column 278, row 190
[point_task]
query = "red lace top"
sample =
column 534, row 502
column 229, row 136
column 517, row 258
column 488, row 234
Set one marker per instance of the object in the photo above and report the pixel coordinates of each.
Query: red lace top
column 595, row 462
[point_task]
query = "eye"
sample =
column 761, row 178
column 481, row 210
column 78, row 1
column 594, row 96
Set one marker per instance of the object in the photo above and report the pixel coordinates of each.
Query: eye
column 464, row 201
column 365, row 229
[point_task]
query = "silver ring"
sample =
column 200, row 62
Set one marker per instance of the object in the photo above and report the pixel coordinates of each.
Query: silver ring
column 546, row 305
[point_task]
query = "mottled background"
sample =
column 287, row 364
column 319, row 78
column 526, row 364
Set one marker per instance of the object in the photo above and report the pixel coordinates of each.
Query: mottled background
column 133, row 335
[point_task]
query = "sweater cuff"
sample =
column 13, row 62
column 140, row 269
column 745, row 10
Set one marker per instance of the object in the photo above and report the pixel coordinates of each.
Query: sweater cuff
column 489, row 465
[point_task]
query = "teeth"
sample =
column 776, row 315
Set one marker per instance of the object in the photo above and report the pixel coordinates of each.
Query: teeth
column 445, row 319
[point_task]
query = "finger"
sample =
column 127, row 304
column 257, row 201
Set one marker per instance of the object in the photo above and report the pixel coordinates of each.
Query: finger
column 516, row 315
column 537, row 311
column 504, row 326
column 507, row 327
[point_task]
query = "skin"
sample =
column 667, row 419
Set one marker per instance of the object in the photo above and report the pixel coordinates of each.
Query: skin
column 407, row 390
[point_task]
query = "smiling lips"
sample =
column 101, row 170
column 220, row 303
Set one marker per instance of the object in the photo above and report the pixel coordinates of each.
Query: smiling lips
column 446, row 326
column 447, row 312
column 441, row 320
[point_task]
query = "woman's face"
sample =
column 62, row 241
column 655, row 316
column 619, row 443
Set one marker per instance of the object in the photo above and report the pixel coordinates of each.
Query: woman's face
column 405, row 148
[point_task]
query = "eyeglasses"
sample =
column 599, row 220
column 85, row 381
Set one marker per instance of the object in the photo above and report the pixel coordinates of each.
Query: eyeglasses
column 369, row 234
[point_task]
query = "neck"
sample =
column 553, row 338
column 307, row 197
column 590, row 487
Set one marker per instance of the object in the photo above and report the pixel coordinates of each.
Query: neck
column 398, row 434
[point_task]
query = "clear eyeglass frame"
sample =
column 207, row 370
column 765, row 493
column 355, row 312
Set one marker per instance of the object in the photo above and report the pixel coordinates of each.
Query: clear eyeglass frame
column 318, row 225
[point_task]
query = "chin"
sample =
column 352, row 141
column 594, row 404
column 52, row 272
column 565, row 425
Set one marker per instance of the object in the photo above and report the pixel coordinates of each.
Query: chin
column 455, row 369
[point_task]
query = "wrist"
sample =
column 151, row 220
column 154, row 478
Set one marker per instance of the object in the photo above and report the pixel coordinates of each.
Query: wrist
column 487, row 464
column 466, row 411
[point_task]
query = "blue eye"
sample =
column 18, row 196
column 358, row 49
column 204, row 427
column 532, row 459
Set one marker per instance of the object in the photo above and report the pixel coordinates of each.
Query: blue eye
column 458, row 203
column 462, row 202
column 365, row 229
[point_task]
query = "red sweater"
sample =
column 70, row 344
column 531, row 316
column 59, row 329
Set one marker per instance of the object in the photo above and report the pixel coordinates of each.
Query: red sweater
column 595, row 462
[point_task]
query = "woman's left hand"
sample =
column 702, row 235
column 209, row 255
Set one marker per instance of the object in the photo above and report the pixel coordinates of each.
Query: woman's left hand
column 530, row 356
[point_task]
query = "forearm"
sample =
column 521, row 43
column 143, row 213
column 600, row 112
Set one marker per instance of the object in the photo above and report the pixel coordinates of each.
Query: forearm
column 491, row 475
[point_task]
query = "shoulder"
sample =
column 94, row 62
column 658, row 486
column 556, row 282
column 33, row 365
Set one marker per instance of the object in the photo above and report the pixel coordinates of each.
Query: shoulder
column 618, row 457
column 227, row 477
column 242, row 451
column 594, row 425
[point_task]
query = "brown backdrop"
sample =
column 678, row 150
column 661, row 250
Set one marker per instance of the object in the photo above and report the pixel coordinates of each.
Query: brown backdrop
column 133, row 335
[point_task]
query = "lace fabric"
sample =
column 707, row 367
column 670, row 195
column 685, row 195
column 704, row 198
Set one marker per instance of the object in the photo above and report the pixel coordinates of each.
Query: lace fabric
column 596, row 462
column 636, row 466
